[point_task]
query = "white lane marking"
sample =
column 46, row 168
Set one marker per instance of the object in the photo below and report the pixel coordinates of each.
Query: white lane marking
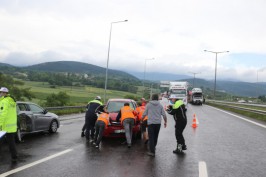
column 203, row 169
column 258, row 124
column 34, row 163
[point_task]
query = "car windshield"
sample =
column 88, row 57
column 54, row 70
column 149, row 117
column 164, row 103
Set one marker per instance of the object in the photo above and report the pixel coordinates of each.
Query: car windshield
column 115, row 106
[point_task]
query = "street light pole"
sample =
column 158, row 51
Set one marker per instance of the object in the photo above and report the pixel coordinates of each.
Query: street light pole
column 145, row 73
column 194, row 77
column 106, row 72
column 216, row 53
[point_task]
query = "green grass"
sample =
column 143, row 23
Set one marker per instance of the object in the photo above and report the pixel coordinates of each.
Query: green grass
column 241, row 112
column 78, row 95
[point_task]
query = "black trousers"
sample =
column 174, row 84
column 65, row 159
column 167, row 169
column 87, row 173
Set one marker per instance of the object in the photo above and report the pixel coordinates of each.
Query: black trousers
column 90, row 123
column 10, row 137
column 153, row 133
column 179, row 128
column 99, row 129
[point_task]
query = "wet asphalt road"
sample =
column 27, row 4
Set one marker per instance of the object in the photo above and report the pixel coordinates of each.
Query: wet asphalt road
column 229, row 146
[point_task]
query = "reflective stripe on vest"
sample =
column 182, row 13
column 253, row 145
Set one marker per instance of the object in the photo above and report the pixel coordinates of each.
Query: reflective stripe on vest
column 178, row 104
column 126, row 112
column 10, row 125
column 104, row 117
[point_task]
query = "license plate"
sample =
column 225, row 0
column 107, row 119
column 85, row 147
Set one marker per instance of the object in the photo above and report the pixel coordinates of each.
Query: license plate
column 120, row 131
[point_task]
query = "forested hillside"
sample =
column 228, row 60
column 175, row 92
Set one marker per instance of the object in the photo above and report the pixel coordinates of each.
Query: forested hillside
column 70, row 73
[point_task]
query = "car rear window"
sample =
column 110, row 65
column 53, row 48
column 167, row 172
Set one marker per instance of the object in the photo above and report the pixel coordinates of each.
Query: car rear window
column 115, row 106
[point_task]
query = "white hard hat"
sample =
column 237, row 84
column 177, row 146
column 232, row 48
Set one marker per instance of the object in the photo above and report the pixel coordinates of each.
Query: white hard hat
column 4, row 89
column 98, row 98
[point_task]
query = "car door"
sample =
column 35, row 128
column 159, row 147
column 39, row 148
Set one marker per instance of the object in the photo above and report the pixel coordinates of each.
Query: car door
column 41, row 120
column 25, row 116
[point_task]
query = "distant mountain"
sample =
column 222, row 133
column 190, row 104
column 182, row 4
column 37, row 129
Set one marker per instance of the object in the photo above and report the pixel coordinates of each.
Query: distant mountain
column 5, row 64
column 77, row 67
column 156, row 76
column 231, row 87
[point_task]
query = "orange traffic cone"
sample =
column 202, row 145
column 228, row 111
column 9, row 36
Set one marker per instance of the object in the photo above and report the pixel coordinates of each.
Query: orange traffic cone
column 194, row 122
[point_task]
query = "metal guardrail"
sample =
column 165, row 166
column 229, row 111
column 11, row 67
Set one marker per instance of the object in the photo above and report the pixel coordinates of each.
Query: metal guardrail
column 245, row 104
column 64, row 107
column 241, row 108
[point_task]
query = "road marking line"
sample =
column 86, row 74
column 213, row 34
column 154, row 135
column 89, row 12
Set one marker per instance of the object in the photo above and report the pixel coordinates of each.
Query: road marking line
column 258, row 124
column 203, row 169
column 34, row 163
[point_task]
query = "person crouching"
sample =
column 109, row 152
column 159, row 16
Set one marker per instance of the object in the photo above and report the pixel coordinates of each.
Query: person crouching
column 101, row 123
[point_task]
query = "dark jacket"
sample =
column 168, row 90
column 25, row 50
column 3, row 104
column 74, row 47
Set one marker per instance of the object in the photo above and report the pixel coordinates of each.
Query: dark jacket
column 178, row 110
column 91, row 108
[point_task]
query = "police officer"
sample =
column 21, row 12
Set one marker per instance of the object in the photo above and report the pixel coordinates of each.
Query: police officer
column 8, row 120
column 178, row 110
column 91, row 117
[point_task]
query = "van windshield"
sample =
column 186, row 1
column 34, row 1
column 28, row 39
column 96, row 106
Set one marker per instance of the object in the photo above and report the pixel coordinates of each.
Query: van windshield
column 178, row 91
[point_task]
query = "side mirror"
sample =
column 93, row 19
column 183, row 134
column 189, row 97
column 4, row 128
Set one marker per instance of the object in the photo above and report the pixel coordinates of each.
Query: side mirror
column 45, row 111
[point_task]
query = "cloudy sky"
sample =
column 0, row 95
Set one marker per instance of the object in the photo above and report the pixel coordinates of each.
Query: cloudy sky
column 173, row 32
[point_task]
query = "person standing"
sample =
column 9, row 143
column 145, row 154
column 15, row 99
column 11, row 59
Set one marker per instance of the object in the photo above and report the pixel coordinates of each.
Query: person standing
column 178, row 110
column 127, row 117
column 101, row 123
column 143, row 102
column 154, row 110
column 8, row 120
column 91, row 117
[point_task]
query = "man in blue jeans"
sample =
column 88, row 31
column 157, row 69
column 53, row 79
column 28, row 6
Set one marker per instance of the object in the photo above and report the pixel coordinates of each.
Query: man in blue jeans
column 154, row 110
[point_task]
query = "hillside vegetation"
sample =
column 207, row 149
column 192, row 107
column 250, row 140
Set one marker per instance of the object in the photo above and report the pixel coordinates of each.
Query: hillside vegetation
column 70, row 73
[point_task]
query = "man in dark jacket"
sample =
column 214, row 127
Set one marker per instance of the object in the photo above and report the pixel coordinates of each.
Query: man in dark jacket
column 178, row 110
column 91, row 117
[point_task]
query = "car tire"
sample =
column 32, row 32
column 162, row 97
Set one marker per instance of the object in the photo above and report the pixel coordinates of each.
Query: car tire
column 53, row 126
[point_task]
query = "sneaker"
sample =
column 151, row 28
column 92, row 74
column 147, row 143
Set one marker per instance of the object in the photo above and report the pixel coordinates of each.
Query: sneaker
column 129, row 146
column 150, row 154
column 94, row 143
column 96, row 146
column 178, row 149
column 184, row 147
column 82, row 134
column 91, row 141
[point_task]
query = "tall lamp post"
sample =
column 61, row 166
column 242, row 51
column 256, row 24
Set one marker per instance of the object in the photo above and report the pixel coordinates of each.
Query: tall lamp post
column 216, row 53
column 194, row 77
column 145, row 73
column 106, row 73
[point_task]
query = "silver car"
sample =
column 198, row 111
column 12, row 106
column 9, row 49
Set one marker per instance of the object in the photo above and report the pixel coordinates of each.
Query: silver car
column 33, row 118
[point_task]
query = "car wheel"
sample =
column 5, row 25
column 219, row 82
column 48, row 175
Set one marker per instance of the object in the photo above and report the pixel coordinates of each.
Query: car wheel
column 53, row 127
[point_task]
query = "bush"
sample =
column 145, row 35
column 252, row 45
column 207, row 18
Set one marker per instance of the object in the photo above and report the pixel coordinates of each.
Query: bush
column 60, row 99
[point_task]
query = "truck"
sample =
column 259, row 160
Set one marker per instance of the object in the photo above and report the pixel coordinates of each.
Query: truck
column 179, row 90
column 196, row 96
